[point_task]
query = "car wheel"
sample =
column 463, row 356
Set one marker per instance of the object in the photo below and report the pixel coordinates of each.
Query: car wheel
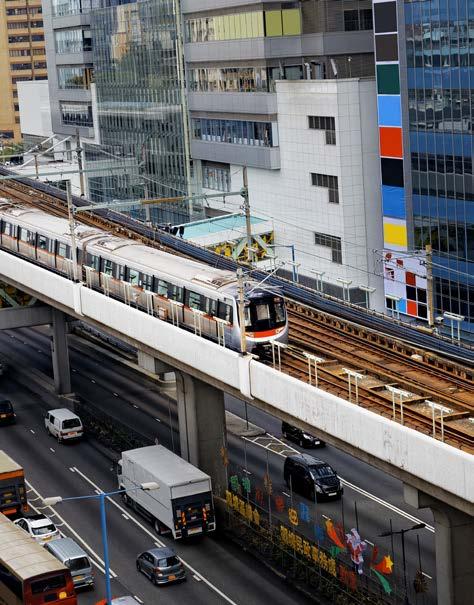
column 158, row 527
column 139, row 567
column 48, row 431
column 154, row 580
column 126, row 500
column 301, row 443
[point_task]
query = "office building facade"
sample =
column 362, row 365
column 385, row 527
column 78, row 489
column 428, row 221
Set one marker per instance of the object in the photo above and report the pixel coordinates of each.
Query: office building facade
column 22, row 58
column 425, row 76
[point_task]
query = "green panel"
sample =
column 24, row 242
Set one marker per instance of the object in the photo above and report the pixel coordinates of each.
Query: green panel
column 238, row 26
column 291, row 22
column 388, row 82
column 273, row 25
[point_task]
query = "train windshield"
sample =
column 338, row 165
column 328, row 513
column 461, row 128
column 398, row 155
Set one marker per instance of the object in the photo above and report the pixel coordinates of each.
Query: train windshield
column 265, row 313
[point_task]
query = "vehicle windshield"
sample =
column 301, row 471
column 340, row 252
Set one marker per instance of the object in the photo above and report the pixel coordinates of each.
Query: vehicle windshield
column 168, row 562
column 322, row 471
column 5, row 407
column 265, row 313
column 78, row 564
column 71, row 423
column 43, row 530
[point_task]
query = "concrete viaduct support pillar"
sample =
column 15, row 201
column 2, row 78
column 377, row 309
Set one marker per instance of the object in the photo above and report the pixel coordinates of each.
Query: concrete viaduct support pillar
column 202, row 430
column 454, row 540
column 60, row 352
column 155, row 366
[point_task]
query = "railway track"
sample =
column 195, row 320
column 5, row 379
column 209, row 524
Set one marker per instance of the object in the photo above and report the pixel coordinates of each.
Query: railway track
column 382, row 359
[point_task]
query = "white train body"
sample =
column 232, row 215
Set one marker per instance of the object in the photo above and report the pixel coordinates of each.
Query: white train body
column 189, row 293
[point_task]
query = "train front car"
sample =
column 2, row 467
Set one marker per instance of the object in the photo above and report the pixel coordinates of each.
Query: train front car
column 265, row 320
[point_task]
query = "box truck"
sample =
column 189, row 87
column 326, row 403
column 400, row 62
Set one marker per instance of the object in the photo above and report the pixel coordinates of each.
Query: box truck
column 12, row 487
column 183, row 502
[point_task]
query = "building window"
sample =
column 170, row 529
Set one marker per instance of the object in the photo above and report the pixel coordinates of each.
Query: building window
column 74, row 77
column 40, row 64
column 18, row 25
column 77, row 114
column 329, row 182
column 326, row 123
column 75, row 40
column 332, row 242
column 355, row 20
column 6, row 134
column 228, row 79
column 70, row 7
column 20, row 66
column 36, row 24
column 20, row 53
column 216, row 176
column 234, row 131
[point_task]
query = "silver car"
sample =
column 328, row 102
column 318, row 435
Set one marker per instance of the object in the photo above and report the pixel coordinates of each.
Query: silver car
column 161, row 565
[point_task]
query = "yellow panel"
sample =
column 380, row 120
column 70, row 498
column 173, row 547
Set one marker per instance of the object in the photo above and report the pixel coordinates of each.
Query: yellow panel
column 259, row 30
column 238, row 26
column 395, row 234
column 291, row 22
column 231, row 21
column 273, row 26
column 219, row 28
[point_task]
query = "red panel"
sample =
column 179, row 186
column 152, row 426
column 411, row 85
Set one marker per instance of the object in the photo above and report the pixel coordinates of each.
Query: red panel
column 410, row 279
column 412, row 308
column 391, row 142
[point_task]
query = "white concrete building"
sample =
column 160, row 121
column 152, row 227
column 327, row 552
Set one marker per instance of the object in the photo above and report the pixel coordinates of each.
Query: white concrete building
column 325, row 197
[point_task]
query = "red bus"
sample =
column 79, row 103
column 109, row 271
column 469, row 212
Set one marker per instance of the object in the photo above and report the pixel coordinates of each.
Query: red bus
column 12, row 487
column 29, row 574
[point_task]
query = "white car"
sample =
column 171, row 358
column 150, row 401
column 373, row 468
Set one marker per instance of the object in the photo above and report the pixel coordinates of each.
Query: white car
column 39, row 527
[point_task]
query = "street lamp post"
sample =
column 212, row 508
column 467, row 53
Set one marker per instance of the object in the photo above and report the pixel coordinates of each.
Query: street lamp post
column 294, row 264
column 368, row 290
column 319, row 279
column 53, row 500
column 402, row 533
column 345, row 287
column 454, row 317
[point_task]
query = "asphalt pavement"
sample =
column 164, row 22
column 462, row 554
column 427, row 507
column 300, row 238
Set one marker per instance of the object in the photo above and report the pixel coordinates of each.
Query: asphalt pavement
column 371, row 500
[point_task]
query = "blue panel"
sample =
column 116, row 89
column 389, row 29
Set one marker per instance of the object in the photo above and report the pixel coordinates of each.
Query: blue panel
column 393, row 201
column 402, row 305
column 389, row 110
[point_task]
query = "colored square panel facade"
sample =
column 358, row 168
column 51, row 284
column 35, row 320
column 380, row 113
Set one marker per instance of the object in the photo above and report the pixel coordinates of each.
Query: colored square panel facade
column 393, row 201
column 291, row 22
column 412, row 308
column 392, row 172
column 386, row 47
column 389, row 110
column 391, row 142
column 273, row 23
column 388, row 80
column 385, row 17
column 395, row 235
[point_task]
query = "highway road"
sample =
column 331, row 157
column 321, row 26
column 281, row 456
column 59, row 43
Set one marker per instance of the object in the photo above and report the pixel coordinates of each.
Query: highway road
column 135, row 400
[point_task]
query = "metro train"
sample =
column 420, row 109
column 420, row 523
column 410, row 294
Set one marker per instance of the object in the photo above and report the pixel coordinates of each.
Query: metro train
column 184, row 291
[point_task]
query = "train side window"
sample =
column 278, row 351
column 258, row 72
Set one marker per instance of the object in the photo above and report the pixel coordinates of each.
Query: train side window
column 42, row 242
column 121, row 272
column 3, row 226
column 23, row 235
column 224, row 311
column 147, row 281
column 162, row 289
column 52, row 246
column 31, row 238
column 9, row 229
column 108, row 267
column 133, row 277
column 175, row 292
column 63, row 250
column 210, row 306
column 93, row 261
column 193, row 300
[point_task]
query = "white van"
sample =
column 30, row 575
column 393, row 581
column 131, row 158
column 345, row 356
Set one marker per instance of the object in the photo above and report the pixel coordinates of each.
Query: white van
column 63, row 424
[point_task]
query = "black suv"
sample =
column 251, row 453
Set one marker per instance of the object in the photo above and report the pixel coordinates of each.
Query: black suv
column 302, row 438
column 311, row 477
column 7, row 414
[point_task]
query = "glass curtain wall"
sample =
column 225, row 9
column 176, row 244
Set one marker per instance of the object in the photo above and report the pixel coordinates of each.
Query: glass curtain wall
column 140, row 112
column 440, row 59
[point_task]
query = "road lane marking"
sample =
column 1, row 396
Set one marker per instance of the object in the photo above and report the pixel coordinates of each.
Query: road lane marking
column 137, row 598
column 285, row 494
column 115, row 394
column 125, row 516
column 157, row 420
column 158, row 542
column 351, row 486
column 92, row 380
column 197, row 578
column 52, row 450
column 426, row 575
column 32, row 431
column 73, row 531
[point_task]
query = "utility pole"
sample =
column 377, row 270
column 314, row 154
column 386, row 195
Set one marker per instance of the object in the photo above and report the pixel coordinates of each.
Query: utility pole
column 79, row 161
column 248, row 224
column 241, row 303
column 429, row 284
column 70, row 214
